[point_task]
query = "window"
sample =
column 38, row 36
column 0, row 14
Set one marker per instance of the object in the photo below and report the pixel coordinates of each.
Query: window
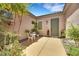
column 40, row 25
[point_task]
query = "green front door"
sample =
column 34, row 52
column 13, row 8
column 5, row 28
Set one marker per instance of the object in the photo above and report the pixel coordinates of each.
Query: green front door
column 55, row 27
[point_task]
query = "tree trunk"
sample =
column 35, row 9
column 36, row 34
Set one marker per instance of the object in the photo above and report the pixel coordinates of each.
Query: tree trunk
column 14, row 21
column 20, row 23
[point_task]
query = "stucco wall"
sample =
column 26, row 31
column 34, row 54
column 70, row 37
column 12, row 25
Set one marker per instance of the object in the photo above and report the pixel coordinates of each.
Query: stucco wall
column 45, row 26
column 74, row 19
column 72, row 15
column 70, row 8
column 26, row 24
column 48, row 18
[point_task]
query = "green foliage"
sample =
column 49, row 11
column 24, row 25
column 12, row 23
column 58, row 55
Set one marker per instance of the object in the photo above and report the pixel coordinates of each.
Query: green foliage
column 73, row 32
column 10, row 37
column 40, row 25
column 35, row 28
column 9, row 44
column 13, row 48
column 27, row 33
column 14, row 7
column 73, row 51
column 7, row 38
column 63, row 34
column 2, row 37
column 35, row 24
column 5, row 16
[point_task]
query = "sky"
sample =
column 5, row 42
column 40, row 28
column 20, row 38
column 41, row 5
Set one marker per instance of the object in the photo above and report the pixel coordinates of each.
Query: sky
column 39, row 9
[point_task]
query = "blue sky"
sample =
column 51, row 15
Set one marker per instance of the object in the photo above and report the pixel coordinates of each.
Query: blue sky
column 39, row 9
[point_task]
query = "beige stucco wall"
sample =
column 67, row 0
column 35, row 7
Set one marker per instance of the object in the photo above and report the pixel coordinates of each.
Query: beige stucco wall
column 70, row 8
column 74, row 19
column 48, row 18
column 26, row 24
column 72, row 15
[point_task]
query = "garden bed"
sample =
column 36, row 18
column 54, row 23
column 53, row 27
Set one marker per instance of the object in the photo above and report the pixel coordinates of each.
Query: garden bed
column 70, row 47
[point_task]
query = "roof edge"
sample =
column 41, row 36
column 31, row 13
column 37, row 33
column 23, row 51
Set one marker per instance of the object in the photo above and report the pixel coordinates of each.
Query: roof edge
column 51, row 14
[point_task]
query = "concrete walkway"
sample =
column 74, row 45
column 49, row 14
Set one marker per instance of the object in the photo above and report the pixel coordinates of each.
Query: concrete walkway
column 46, row 47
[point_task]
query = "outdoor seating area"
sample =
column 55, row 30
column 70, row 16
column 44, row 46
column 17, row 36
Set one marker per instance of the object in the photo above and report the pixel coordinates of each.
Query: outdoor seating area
column 39, row 29
column 29, row 39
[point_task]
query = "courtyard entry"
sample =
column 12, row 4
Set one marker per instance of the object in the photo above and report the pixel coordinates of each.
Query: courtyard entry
column 46, row 46
column 55, row 27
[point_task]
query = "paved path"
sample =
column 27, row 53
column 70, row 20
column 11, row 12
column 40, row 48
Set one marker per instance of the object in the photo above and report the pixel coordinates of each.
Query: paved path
column 46, row 47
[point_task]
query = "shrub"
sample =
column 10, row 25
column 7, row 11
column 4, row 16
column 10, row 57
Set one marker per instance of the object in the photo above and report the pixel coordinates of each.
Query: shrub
column 62, row 34
column 35, row 28
column 27, row 33
column 13, row 48
column 73, row 33
column 73, row 51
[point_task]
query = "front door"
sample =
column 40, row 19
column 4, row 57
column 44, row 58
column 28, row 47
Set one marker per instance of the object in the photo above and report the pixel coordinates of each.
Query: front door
column 55, row 27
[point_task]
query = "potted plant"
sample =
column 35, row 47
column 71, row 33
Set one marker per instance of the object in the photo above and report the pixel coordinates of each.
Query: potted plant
column 62, row 34
column 27, row 33
column 35, row 28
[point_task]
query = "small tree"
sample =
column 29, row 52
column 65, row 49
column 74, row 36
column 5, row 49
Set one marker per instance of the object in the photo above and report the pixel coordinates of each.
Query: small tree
column 27, row 32
column 73, row 33
column 35, row 28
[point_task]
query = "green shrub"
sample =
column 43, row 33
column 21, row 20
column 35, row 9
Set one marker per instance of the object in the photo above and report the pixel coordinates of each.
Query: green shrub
column 12, row 46
column 12, row 49
column 35, row 27
column 7, row 38
column 73, row 32
column 73, row 51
